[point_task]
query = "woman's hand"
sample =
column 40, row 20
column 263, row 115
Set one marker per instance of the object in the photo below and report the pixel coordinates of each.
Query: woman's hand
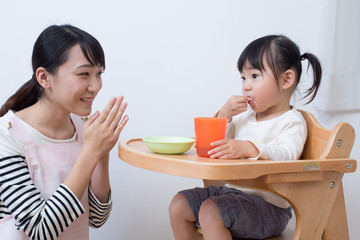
column 232, row 149
column 234, row 106
column 102, row 130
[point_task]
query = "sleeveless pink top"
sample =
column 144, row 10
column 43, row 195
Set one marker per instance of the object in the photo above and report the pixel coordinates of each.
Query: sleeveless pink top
column 49, row 164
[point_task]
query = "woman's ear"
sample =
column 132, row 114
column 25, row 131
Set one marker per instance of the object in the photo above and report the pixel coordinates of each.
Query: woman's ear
column 42, row 76
column 289, row 79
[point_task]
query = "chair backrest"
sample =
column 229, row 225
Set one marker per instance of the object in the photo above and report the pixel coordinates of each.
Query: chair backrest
column 322, row 143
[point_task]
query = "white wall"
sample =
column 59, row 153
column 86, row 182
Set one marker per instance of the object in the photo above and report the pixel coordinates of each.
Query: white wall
column 173, row 60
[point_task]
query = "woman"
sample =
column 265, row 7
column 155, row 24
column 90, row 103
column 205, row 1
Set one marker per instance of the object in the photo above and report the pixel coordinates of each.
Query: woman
column 54, row 178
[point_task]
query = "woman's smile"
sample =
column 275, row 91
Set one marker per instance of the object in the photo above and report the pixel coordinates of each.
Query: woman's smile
column 87, row 101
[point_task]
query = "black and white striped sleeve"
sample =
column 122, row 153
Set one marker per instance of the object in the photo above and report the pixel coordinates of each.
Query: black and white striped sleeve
column 39, row 219
column 98, row 212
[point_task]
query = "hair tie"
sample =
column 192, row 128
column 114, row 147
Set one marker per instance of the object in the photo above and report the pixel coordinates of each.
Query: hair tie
column 302, row 57
column 33, row 77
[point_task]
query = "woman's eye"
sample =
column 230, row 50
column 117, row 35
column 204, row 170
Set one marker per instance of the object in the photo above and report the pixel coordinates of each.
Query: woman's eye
column 100, row 73
column 84, row 74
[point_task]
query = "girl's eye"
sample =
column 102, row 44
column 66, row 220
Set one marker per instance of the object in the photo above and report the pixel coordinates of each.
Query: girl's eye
column 243, row 78
column 255, row 75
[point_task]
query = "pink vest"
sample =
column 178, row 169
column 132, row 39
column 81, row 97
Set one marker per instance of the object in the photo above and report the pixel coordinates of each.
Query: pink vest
column 49, row 164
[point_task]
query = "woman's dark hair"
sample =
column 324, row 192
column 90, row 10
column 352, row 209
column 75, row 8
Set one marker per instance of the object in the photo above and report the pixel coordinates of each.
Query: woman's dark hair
column 51, row 50
column 281, row 54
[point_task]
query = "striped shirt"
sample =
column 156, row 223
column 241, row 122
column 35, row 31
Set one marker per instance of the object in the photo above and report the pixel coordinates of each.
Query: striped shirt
column 37, row 217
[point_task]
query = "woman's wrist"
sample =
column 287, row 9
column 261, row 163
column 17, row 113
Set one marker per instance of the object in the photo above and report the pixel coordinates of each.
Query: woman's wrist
column 79, row 176
column 94, row 153
column 100, row 182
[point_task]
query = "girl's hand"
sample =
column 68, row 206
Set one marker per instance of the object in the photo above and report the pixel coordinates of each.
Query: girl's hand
column 102, row 131
column 234, row 106
column 232, row 149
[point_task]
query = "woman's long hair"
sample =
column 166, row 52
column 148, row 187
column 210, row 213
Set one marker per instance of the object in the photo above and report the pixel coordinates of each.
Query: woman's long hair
column 51, row 50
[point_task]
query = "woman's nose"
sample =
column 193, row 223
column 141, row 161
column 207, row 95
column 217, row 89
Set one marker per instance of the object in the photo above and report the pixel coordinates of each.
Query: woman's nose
column 95, row 85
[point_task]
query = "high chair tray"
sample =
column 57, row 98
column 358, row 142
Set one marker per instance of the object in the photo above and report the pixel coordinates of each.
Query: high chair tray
column 188, row 164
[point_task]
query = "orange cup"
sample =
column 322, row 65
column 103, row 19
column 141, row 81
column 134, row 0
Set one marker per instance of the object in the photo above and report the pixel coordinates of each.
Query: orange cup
column 208, row 130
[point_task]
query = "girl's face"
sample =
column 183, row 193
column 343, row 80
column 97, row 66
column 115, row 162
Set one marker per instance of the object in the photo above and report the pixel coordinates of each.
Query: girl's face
column 75, row 85
column 261, row 89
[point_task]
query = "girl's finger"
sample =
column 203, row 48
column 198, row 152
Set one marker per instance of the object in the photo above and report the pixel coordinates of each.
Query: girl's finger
column 227, row 156
column 218, row 154
column 241, row 104
column 217, row 150
column 219, row 142
column 241, row 99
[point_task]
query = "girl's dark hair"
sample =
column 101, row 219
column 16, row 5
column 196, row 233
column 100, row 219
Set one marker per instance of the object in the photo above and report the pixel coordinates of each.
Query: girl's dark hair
column 281, row 54
column 51, row 50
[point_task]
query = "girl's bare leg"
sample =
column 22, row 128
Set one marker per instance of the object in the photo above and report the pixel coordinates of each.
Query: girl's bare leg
column 211, row 222
column 182, row 219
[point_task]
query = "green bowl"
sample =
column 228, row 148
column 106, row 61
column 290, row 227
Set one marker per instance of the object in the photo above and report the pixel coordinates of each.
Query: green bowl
column 168, row 145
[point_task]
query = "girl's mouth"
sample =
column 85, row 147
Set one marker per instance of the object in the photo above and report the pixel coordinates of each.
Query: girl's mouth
column 250, row 100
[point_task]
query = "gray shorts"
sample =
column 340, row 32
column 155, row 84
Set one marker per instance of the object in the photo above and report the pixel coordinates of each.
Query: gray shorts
column 246, row 216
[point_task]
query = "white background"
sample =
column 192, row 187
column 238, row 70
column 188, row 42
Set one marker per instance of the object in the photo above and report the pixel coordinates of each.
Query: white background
column 173, row 61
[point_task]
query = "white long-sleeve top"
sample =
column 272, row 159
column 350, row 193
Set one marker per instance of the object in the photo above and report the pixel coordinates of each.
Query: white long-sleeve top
column 280, row 138
column 20, row 198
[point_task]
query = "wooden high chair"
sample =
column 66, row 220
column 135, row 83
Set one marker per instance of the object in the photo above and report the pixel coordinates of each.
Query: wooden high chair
column 314, row 191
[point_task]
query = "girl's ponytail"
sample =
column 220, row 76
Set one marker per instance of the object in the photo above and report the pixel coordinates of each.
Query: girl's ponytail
column 317, row 72
column 27, row 95
column 281, row 54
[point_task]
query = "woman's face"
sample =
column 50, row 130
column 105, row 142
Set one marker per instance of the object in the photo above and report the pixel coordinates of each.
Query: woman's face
column 75, row 84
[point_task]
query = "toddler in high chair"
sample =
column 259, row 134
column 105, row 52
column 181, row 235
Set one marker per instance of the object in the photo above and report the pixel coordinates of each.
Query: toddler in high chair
column 270, row 128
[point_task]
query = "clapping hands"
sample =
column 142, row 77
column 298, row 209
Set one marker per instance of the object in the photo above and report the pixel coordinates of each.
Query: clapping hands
column 102, row 130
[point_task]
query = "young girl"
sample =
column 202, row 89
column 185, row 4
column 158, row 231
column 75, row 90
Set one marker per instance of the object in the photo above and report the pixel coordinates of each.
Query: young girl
column 271, row 128
column 54, row 177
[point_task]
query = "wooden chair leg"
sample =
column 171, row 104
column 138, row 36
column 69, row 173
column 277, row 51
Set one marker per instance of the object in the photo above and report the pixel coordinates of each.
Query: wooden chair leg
column 312, row 203
column 337, row 227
